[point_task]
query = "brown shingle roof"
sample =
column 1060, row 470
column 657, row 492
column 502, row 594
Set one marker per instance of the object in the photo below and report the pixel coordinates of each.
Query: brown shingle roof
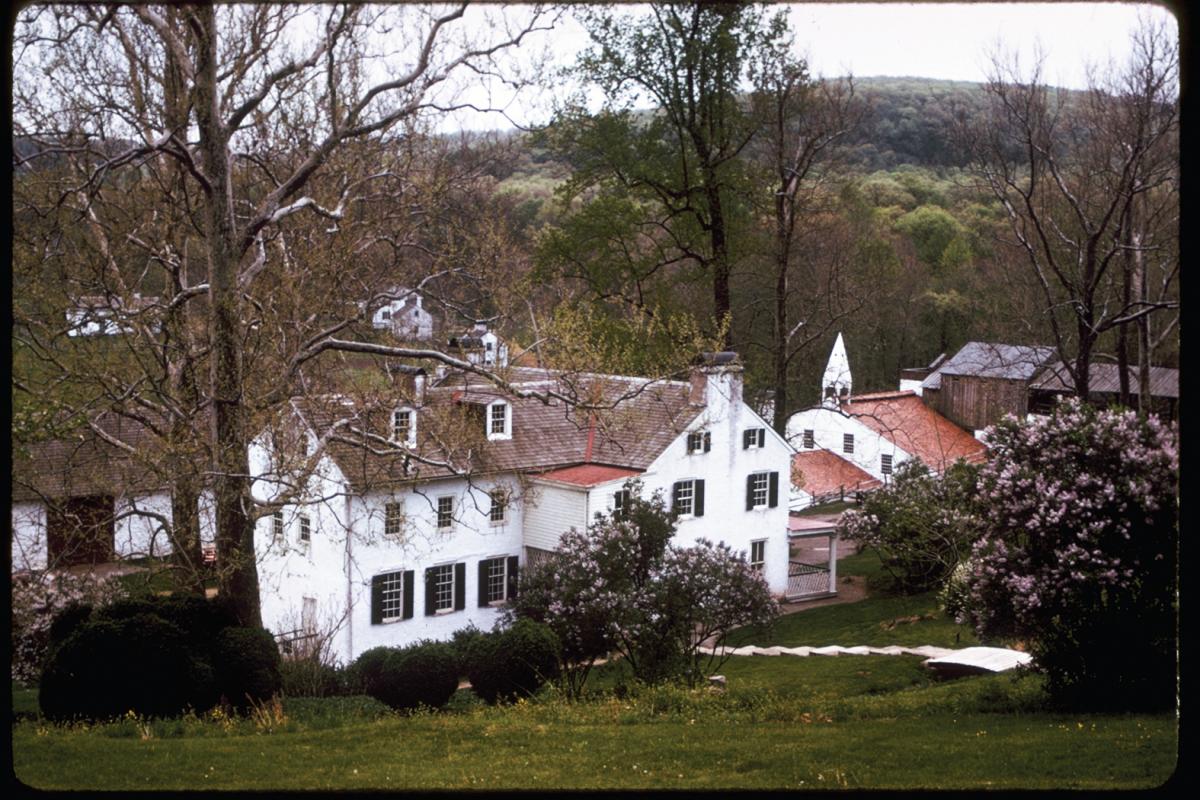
column 588, row 474
column 85, row 464
column 545, row 436
column 1106, row 378
column 905, row 421
column 823, row 472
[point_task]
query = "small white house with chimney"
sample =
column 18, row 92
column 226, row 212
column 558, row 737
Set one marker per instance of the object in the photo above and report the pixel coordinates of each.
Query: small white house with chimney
column 404, row 314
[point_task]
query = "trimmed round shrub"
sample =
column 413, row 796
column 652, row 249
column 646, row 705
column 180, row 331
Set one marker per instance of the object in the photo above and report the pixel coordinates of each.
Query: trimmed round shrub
column 200, row 619
column 461, row 641
column 367, row 670
column 142, row 664
column 247, row 661
column 423, row 674
column 67, row 621
column 513, row 663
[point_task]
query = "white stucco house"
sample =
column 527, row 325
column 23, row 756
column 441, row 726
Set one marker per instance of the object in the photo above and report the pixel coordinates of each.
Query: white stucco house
column 392, row 549
column 421, row 511
column 481, row 346
column 872, row 434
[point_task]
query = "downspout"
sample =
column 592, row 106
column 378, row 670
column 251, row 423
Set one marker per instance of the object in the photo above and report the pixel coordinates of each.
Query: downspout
column 349, row 581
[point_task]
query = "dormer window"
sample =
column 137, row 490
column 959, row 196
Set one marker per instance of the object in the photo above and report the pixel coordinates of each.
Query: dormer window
column 404, row 428
column 699, row 442
column 499, row 421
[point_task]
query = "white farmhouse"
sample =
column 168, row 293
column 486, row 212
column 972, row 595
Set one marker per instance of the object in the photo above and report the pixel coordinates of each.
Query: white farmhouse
column 404, row 315
column 391, row 546
column 481, row 346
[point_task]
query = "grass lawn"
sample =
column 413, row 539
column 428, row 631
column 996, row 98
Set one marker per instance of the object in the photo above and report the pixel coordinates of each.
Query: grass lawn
column 877, row 722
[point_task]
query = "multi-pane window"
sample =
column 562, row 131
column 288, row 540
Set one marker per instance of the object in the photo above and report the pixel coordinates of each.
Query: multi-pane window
column 445, row 512
column 497, row 580
column 391, row 596
column 754, row 437
column 809, row 439
column 393, row 519
column 443, row 587
column 685, row 494
column 762, row 490
column 847, row 442
column 402, row 425
column 305, row 529
column 759, row 489
column 687, row 497
column 498, row 419
column 699, row 442
column 277, row 526
column 758, row 555
column 499, row 505
column 885, row 464
column 621, row 500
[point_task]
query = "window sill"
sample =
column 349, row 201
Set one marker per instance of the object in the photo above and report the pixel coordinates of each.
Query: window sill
column 443, row 611
column 497, row 603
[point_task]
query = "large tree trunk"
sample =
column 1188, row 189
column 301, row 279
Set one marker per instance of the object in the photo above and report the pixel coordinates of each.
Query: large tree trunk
column 720, row 262
column 238, row 569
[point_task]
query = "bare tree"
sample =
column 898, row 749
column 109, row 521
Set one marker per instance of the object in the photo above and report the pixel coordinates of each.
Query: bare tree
column 802, row 120
column 234, row 126
column 1088, row 185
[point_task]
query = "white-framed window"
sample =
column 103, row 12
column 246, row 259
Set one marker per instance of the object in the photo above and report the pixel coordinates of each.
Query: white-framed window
column 699, row 442
column 687, row 497
column 442, row 591
column 498, row 512
column 277, row 526
column 499, row 420
column 305, row 535
column 758, row 555
column 391, row 596
column 621, row 501
column 847, row 442
column 809, row 439
column 885, row 463
column 762, row 490
column 404, row 426
column 393, row 518
column 759, row 488
column 445, row 512
column 497, row 580
column 754, row 437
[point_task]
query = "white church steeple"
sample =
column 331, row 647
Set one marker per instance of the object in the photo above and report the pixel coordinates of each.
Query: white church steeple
column 835, row 385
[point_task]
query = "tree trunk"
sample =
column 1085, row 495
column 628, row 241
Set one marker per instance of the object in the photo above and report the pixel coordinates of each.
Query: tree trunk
column 238, row 570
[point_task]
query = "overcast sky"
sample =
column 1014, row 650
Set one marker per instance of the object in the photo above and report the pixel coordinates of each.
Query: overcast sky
column 932, row 40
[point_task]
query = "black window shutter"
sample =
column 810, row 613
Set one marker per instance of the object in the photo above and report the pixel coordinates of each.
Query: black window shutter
column 707, row 441
column 430, row 593
column 483, row 582
column 408, row 594
column 460, row 586
column 513, row 568
column 749, row 492
column 762, row 437
column 698, row 502
column 675, row 496
column 377, row 600
column 773, row 490
column 746, row 436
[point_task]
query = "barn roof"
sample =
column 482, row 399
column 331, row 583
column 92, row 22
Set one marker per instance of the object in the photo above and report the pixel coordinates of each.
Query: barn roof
column 1106, row 378
column 991, row 360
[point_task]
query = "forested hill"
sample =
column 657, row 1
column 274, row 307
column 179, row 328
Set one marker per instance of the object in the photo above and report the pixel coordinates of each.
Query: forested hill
column 911, row 121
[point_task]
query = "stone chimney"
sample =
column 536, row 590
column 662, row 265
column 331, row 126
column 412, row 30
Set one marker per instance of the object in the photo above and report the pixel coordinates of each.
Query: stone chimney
column 409, row 380
column 716, row 381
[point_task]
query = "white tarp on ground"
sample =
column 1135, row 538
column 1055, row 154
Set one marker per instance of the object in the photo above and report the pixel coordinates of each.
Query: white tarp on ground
column 979, row 659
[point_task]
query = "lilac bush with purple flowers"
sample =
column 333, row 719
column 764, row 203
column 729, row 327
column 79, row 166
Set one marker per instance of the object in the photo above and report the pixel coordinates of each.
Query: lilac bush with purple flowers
column 622, row 587
column 1078, row 556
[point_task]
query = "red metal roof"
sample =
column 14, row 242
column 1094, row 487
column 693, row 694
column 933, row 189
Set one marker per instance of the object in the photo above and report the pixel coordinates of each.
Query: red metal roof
column 821, row 472
column 905, row 421
column 589, row 474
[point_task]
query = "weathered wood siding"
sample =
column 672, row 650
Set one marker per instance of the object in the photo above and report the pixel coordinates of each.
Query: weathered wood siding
column 975, row 403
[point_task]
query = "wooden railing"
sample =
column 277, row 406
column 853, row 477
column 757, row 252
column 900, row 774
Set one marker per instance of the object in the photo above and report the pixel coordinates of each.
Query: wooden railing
column 805, row 580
